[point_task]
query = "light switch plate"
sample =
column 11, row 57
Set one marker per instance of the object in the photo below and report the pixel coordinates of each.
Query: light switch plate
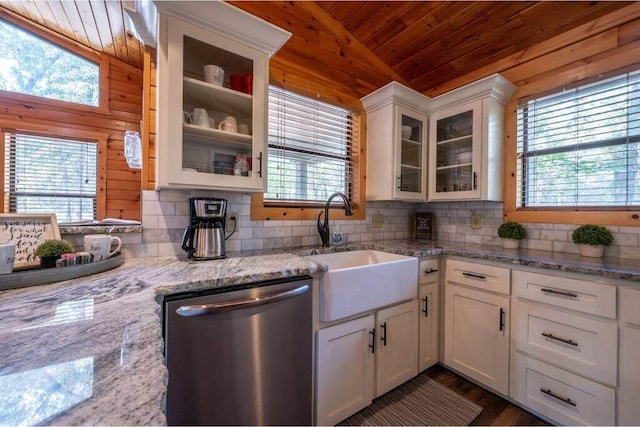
column 377, row 220
column 476, row 222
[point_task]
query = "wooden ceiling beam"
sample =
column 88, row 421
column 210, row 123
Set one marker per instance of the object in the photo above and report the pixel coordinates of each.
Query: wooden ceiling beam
column 349, row 44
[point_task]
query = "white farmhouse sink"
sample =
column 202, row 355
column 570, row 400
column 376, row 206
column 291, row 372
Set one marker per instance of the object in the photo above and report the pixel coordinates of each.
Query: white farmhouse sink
column 359, row 281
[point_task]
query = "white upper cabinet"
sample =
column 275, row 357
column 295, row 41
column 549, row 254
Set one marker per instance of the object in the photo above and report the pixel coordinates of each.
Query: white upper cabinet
column 466, row 140
column 211, row 126
column 397, row 144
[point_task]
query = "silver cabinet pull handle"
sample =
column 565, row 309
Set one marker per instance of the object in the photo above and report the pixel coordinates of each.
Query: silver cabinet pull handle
column 553, row 291
column 217, row 307
column 564, row 340
column 475, row 276
column 566, row 400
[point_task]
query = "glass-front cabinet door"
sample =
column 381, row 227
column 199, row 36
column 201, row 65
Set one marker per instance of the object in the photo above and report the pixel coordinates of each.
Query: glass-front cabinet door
column 455, row 153
column 411, row 150
column 211, row 110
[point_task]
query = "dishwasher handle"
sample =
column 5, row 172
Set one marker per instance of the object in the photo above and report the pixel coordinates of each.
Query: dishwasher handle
column 218, row 307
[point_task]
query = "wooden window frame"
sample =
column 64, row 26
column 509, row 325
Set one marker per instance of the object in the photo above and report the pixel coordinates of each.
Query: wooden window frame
column 67, row 133
column 101, row 60
column 622, row 216
column 261, row 210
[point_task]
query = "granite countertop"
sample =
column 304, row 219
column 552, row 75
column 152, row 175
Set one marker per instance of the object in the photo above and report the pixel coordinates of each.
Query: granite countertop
column 89, row 350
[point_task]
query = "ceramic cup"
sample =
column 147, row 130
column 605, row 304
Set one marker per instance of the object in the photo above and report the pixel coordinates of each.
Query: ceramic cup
column 229, row 124
column 237, row 82
column 243, row 128
column 99, row 245
column 406, row 132
column 7, row 257
column 214, row 75
column 200, row 117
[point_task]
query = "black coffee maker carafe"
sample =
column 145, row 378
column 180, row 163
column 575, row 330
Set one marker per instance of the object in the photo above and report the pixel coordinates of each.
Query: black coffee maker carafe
column 204, row 238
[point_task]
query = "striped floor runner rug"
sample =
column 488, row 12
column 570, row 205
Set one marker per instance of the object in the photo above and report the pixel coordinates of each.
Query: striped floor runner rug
column 420, row 401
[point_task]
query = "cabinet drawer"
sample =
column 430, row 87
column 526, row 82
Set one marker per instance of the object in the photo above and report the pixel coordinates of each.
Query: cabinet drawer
column 580, row 295
column 629, row 306
column 586, row 346
column 560, row 395
column 481, row 276
column 428, row 271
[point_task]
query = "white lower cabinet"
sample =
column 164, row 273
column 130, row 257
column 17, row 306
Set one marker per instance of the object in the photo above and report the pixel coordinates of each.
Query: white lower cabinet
column 345, row 369
column 364, row 358
column 564, row 356
column 396, row 346
column 629, row 391
column 586, row 346
column 476, row 337
column 428, row 324
column 560, row 395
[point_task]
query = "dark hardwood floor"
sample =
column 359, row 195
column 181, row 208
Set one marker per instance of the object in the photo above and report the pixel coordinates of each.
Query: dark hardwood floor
column 495, row 410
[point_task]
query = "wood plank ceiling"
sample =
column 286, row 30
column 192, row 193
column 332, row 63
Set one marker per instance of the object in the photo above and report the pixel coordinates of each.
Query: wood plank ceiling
column 362, row 45
column 99, row 25
column 357, row 46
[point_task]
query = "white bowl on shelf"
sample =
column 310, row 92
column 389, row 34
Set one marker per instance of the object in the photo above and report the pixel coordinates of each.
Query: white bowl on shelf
column 463, row 157
column 406, row 132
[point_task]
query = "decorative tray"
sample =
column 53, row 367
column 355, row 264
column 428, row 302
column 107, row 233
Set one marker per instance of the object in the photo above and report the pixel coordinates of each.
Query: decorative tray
column 43, row 276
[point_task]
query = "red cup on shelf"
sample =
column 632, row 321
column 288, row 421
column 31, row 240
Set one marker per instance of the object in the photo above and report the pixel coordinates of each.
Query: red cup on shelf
column 237, row 82
column 248, row 83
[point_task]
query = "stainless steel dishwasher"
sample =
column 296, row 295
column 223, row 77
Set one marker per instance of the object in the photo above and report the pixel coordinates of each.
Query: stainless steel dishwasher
column 240, row 356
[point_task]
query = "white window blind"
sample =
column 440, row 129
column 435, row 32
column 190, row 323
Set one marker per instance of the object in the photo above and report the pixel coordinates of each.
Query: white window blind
column 45, row 175
column 311, row 149
column 581, row 147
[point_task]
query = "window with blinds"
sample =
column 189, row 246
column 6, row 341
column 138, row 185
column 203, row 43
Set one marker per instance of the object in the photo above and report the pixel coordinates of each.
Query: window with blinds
column 45, row 175
column 581, row 147
column 311, row 146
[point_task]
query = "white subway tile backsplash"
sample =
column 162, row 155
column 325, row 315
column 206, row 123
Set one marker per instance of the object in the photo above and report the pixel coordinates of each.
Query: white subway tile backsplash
column 252, row 244
column 263, row 232
column 166, row 214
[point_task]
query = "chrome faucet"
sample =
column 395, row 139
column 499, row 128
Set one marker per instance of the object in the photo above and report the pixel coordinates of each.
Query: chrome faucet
column 323, row 229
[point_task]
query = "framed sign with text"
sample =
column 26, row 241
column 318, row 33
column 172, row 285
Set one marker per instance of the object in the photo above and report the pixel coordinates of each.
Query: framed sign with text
column 424, row 226
column 27, row 231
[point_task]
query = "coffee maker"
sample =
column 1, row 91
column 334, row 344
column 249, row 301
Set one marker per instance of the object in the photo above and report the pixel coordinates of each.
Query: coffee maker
column 204, row 238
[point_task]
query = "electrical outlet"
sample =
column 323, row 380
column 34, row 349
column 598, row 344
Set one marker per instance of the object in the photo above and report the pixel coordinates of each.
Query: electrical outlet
column 476, row 222
column 378, row 220
column 231, row 223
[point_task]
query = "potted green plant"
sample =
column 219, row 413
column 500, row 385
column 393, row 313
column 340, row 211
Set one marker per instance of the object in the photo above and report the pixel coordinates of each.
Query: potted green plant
column 50, row 250
column 511, row 233
column 591, row 240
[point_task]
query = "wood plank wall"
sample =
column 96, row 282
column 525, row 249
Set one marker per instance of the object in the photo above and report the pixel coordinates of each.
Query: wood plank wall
column 124, row 113
column 149, row 125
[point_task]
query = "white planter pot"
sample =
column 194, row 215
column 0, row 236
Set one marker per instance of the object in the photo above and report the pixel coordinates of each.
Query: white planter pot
column 591, row 251
column 510, row 243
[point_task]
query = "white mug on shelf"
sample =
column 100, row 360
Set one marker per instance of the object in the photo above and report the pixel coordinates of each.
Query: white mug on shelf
column 7, row 257
column 243, row 128
column 229, row 124
column 214, row 75
column 99, row 245
column 200, row 117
